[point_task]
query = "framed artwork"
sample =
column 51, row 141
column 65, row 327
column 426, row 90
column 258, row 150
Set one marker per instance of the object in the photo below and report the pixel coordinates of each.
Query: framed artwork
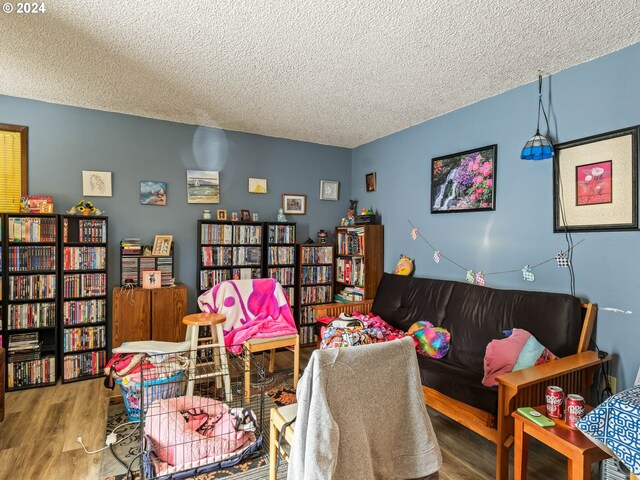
column 162, row 245
column 594, row 183
column 370, row 181
column 153, row 193
column 151, row 279
column 294, row 203
column 203, row 186
column 464, row 181
column 221, row 214
column 257, row 185
column 96, row 184
column 245, row 216
column 329, row 189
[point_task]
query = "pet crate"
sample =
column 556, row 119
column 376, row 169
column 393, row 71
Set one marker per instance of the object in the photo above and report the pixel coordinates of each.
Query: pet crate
column 189, row 434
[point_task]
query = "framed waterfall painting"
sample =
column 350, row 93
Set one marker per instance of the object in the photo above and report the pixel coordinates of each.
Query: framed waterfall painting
column 464, row 181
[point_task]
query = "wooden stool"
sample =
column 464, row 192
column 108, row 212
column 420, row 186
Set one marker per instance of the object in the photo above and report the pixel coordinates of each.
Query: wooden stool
column 255, row 345
column 579, row 450
column 214, row 321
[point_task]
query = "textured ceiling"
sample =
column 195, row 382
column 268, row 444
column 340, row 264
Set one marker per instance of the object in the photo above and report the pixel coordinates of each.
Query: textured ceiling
column 334, row 72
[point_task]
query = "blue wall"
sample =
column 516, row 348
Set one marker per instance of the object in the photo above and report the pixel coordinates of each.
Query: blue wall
column 592, row 98
column 63, row 141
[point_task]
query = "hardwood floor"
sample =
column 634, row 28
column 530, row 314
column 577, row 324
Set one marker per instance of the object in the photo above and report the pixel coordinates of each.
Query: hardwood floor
column 38, row 437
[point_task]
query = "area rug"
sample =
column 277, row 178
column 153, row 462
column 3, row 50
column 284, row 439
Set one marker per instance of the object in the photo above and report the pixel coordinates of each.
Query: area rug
column 278, row 391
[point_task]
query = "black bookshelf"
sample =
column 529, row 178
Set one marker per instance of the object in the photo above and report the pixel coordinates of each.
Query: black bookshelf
column 84, row 305
column 30, row 305
column 229, row 250
column 280, row 256
column 315, row 286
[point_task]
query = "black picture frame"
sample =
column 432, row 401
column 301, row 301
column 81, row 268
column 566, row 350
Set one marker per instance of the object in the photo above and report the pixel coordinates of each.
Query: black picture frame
column 456, row 187
column 612, row 159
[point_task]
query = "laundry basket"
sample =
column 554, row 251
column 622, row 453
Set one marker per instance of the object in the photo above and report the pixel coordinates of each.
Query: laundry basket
column 153, row 390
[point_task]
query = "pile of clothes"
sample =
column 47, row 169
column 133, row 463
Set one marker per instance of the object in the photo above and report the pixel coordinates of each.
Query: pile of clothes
column 191, row 431
column 127, row 368
column 357, row 329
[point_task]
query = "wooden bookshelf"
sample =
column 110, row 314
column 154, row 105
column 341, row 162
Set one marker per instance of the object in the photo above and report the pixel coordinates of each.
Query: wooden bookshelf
column 280, row 257
column 84, row 301
column 30, row 299
column 359, row 261
column 315, row 286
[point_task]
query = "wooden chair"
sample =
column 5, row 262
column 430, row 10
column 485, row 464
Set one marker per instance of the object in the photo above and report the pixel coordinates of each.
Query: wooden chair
column 216, row 342
column 256, row 345
column 278, row 418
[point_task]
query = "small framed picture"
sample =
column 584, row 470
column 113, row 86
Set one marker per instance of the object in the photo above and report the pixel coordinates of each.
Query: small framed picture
column 153, row 193
column 234, row 216
column 329, row 189
column 221, row 214
column 294, row 203
column 245, row 215
column 257, row 185
column 151, row 279
column 162, row 245
column 370, row 181
column 96, row 184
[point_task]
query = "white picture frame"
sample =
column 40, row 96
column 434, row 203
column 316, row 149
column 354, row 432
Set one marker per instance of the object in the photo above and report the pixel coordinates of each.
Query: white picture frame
column 96, row 184
column 257, row 185
column 329, row 190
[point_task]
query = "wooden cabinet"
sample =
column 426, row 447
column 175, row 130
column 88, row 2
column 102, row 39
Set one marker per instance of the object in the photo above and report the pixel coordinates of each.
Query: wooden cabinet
column 149, row 314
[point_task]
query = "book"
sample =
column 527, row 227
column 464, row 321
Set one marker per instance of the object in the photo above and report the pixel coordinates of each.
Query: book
column 151, row 279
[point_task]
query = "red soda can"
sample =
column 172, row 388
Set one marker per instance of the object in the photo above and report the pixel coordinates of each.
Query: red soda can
column 574, row 410
column 555, row 397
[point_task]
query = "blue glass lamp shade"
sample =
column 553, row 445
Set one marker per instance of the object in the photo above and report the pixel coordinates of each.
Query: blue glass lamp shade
column 538, row 148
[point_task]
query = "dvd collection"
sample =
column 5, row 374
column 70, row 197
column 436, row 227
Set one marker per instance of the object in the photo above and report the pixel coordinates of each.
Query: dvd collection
column 317, row 294
column 221, row 234
column 32, row 229
column 209, row 278
column 28, row 258
column 76, row 312
column 282, row 255
column 82, row 364
column 247, row 255
column 286, row 276
column 31, row 315
column 84, row 258
column 316, row 274
column 85, row 285
column 93, row 230
column 84, row 338
column 32, row 287
column 317, row 255
column 282, row 234
column 351, row 241
column 216, row 256
column 247, row 234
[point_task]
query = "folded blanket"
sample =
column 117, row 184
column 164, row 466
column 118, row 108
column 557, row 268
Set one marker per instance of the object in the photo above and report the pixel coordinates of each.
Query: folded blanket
column 254, row 308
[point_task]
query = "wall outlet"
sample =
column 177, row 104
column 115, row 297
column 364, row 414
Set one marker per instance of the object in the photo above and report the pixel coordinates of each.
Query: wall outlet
column 613, row 382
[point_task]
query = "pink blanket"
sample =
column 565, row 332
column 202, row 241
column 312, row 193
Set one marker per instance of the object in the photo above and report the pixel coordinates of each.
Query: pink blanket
column 254, row 308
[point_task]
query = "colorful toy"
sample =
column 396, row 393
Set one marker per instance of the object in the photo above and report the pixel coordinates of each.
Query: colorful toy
column 404, row 266
column 430, row 341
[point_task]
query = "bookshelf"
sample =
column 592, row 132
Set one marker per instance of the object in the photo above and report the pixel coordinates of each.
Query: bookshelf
column 133, row 263
column 29, row 293
column 359, row 261
column 281, row 257
column 83, row 311
column 228, row 250
column 315, row 280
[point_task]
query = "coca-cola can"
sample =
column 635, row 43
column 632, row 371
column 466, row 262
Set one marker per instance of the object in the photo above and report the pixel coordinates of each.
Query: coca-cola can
column 574, row 410
column 555, row 397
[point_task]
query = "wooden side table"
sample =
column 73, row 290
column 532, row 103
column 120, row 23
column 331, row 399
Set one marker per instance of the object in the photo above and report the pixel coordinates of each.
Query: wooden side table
column 579, row 450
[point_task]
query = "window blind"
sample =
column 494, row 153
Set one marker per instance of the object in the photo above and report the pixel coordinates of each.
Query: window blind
column 12, row 167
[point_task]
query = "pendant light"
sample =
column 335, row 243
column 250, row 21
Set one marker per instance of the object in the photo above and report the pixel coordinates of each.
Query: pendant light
column 538, row 147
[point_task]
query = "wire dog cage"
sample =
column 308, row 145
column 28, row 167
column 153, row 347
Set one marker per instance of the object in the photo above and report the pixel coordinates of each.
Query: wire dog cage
column 190, row 421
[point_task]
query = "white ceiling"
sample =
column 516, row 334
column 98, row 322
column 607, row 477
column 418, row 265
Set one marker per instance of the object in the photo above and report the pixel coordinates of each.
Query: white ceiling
column 334, row 72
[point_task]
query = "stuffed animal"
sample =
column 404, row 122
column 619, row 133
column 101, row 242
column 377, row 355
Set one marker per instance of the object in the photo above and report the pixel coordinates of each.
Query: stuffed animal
column 404, row 266
column 430, row 341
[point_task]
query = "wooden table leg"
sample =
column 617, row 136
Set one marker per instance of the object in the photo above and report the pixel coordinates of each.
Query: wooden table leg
column 520, row 451
column 273, row 447
column 579, row 468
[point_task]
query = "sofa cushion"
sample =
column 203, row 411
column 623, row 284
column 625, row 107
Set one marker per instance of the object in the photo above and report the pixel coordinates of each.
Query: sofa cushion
column 476, row 315
column 456, row 382
column 402, row 301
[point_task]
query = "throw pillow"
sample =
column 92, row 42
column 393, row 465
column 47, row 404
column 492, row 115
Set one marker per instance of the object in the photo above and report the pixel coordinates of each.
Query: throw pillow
column 429, row 340
column 519, row 350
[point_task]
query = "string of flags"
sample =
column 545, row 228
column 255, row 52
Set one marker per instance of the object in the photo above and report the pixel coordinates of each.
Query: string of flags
column 478, row 278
